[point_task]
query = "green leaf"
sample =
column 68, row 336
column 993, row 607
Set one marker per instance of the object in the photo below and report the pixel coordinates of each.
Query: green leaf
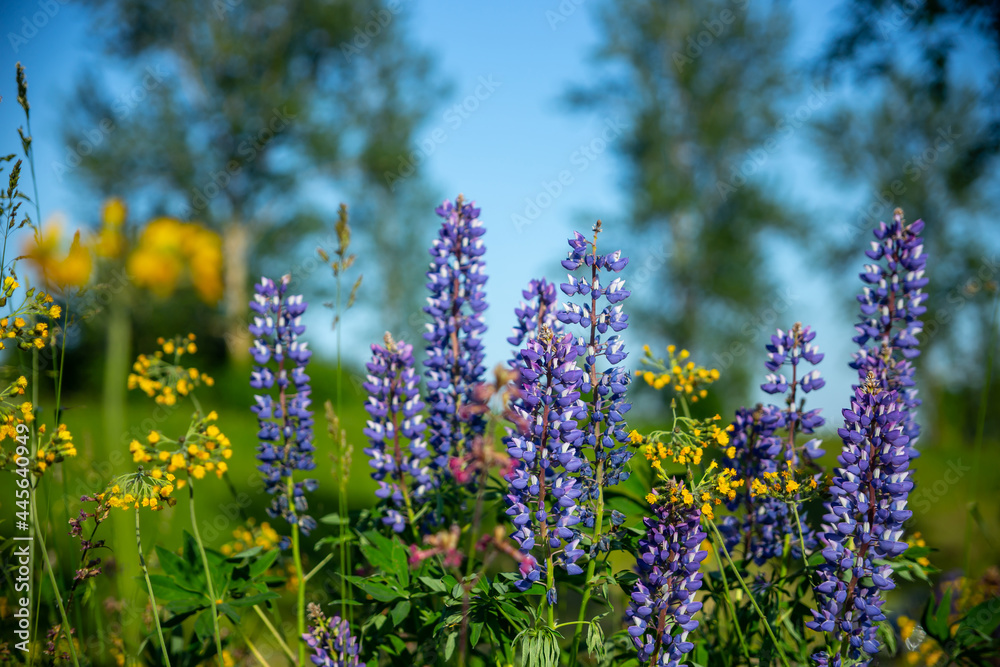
column 203, row 627
column 816, row 559
column 936, row 617
column 979, row 622
column 595, row 640
column 400, row 612
column 378, row 591
column 165, row 588
column 263, row 564
column 186, row 574
column 249, row 553
column 477, row 631
column 335, row 520
column 251, row 600
column 435, row 585
column 888, row 635
column 380, row 557
column 449, row 645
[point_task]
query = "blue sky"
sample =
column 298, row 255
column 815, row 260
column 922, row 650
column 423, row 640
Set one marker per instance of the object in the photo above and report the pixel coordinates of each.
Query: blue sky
column 502, row 138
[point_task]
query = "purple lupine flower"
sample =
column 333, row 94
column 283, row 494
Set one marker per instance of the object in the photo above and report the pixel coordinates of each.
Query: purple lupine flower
column 285, row 422
column 543, row 486
column 662, row 608
column 870, row 489
column 891, row 304
column 537, row 310
column 330, row 640
column 456, row 281
column 764, row 441
column 864, row 523
column 394, row 408
column 605, row 432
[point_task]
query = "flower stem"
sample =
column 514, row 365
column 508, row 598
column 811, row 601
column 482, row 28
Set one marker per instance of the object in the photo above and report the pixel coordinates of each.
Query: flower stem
column 591, row 566
column 746, row 589
column 208, row 570
column 253, row 649
column 274, row 632
column 802, row 539
column 67, row 632
column 300, row 598
column 149, row 587
column 729, row 602
column 980, row 426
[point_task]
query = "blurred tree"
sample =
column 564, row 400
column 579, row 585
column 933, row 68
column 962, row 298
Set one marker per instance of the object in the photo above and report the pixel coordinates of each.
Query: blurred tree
column 868, row 46
column 700, row 86
column 926, row 138
column 248, row 115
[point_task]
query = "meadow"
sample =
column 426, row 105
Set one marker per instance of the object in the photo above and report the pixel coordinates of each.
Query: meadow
column 427, row 510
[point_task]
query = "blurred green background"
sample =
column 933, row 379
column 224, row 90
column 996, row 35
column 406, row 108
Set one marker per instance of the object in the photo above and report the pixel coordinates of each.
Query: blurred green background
column 738, row 152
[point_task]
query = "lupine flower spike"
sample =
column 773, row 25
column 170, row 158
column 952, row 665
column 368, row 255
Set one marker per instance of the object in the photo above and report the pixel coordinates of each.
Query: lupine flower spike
column 891, row 304
column 537, row 310
column 394, row 408
column 286, row 422
column 765, row 452
column 661, row 610
column 870, row 488
column 330, row 640
column 456, row 304
column 544, row 485
column 605, row 431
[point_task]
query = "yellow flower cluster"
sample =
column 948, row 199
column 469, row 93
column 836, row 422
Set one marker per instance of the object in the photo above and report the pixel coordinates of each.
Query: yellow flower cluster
column 58, row 447
column 22, row 326
column 688, row 443
column 60, row 268
column 164, row 380
column 711, row 492
column 168, row 250
column 110, row 242
column 657, row 452
column 204, row 449
column 249, row 536
column 143, row 488
column 780, row 484
column 167, row 253
column 16, row 415
column 726, row 484
column 678, row 372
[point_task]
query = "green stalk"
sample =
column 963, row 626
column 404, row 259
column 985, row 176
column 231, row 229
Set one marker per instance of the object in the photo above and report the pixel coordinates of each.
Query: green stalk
column 802, row 539
column 116, row 367
column 253, row 649
column 274, row 631
column 746, row 590
column 34, row 452
column 208, row 570
column 591, row 566
column 300, row 599
column 300, row 595
column 980, row 427
column 599, row 517
column 149, row 587
column 55, row 586
column 731, row 606
column 550, row 582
